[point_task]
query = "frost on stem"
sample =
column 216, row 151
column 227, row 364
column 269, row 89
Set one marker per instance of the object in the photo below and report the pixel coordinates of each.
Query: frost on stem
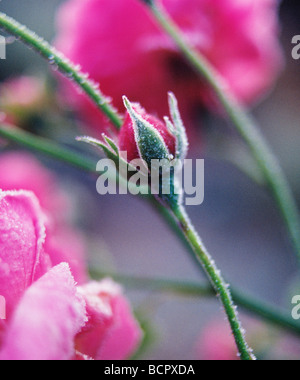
column 148, row 2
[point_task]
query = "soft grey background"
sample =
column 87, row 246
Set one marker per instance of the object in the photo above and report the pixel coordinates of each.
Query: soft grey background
column 238, row 221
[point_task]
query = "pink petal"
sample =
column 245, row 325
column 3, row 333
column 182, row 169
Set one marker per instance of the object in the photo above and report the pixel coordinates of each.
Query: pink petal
column 21, row 171
column 125, row 334
column 121, row 42
column 112, row 332
column 65, row 244
column 22, row 235
column 47, row 319
column 216, row 343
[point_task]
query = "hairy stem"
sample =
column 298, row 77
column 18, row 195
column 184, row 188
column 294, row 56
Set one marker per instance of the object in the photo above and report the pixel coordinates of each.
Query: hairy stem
column 64, row 65
column 217, row 281
column 46, row 147
column 193, row 289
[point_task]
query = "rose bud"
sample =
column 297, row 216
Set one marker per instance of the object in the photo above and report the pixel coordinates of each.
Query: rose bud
column 150, row 148
column 158, row 144
column 127, row 140
column 144, row 136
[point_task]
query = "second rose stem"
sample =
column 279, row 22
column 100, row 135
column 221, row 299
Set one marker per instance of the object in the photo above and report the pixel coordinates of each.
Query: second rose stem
column 244, row 124
column 214, row 275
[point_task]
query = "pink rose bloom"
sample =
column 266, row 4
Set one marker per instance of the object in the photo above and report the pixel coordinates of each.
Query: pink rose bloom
column 6, row 119
column 24, row 91
column 286, row 348
column 120, row 45
column 48, row 316
column 216, row 343
column 22, row 96
column 110, row 322
column 21, row 171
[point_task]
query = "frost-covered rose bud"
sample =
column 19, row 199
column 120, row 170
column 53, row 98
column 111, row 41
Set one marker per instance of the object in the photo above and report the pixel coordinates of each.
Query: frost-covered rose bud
column 149, row 153
column 145, row 136
column 131, row 136
column 162, row 146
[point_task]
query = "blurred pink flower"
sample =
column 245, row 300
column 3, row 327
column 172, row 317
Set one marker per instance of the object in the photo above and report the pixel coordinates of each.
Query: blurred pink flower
column 216, row 343
column 45, row 309
column 120, row 45
column 6, row 119
column 21, row 171
column 110, row 323
column 286, row 348
column 22, row 96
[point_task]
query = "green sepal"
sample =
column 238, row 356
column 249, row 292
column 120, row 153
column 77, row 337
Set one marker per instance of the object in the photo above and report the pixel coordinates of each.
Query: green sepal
column 111, row 151
column 180, row 131
column 150, row 143
column 151, row 146
column 107, row 149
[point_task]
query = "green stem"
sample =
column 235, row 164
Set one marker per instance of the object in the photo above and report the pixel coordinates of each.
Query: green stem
column 52, row 150
column 168, row 286
column 244, row 124
column 269, row 313
column 46, row 147
column 218, row 283
column 193, row 289
column 59, row 61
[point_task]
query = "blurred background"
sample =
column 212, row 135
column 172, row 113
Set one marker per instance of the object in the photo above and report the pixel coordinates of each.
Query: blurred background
column 238, row 221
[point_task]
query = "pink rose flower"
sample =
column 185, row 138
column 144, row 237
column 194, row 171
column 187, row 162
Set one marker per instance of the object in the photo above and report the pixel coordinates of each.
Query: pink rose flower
column 22, row 96
column 21, row 241
column 48, row 316
column 21, row 171
column 110, row 322
column 24, row 91
column 120, row 45
column 216, row 343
